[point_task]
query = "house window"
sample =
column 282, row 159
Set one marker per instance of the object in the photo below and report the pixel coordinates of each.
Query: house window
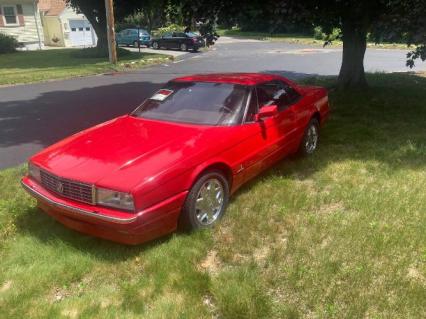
column 9, row 15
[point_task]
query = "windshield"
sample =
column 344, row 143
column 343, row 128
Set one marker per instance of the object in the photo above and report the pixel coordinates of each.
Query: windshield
column 197, row 103
column 143, row 32
column 192, row 34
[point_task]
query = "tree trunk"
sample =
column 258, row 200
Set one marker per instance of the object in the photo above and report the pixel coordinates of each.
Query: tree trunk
column 352, row 73
column 101, row 31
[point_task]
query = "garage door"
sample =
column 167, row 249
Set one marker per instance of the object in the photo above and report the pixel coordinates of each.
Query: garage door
column 81, row 33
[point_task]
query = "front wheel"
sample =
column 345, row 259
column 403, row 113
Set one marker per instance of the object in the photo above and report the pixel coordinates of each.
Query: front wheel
column 206, row 201
column 136, row 44
column 310, row 139
column 183, row 47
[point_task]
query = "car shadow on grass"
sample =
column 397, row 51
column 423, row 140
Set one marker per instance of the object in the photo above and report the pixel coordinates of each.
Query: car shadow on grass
column 47, row 231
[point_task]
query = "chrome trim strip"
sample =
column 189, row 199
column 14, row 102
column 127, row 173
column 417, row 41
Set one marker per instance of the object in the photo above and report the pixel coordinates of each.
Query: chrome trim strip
column 75, row 209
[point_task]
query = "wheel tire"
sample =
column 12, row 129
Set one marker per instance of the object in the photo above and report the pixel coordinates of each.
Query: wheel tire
column 195, row 50
column 135, row 44
column 188, row 218
column 155, row 45
column 310, row 138
column 183, row 47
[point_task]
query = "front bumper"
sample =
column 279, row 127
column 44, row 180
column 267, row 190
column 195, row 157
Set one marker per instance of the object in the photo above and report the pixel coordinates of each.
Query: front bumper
column 110, row 224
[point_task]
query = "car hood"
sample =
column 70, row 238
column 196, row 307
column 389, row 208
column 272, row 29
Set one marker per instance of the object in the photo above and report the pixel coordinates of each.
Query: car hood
column 123, row 152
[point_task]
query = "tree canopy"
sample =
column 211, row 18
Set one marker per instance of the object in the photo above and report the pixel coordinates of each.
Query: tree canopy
column 379, row 20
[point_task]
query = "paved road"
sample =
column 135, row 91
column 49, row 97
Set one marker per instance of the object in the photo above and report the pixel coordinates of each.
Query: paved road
column 36, row 115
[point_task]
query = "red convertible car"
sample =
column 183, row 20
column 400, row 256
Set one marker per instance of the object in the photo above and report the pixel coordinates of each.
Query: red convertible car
column 178, row 157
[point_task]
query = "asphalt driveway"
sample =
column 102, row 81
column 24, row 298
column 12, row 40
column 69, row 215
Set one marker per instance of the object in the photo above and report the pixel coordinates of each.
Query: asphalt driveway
column 36, row 115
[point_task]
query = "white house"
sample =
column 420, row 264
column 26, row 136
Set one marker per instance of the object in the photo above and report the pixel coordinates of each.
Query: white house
column 21, row 19
column 45, row 22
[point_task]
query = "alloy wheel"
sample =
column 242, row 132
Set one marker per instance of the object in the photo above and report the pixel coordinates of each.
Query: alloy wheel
column 209, row 202
column 311, row 139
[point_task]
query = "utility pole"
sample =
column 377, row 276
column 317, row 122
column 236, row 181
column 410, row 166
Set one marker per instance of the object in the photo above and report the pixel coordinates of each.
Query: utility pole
column 36, row 24
column 112, row 48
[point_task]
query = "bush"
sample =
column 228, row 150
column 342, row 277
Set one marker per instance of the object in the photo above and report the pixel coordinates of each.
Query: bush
column 95, row 53
column 320, row 35
column 8, row 44
column 170, row 28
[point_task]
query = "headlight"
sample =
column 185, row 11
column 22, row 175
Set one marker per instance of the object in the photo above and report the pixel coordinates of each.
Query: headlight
column 34, row 172
column 111, row 198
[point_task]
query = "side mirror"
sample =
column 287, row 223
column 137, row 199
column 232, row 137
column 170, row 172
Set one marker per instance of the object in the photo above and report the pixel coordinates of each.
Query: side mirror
column 266, row 111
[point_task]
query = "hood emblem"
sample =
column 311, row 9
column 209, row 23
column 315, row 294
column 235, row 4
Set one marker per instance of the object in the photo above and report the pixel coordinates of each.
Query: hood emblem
column 60, row 187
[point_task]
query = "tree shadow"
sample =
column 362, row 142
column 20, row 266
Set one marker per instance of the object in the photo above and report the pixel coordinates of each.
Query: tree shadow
column 36, row 120
column 30, row 125
column 384, row 124
column 59, row 58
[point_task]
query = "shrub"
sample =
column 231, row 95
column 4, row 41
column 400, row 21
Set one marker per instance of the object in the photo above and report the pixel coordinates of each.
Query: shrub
column 95, row 52
column 320, row 35
column 170, row 28
column 8, row 43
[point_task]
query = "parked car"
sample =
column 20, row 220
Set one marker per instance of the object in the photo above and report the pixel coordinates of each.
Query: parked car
column 130, row 37
column 178, row 157
column 179, row 40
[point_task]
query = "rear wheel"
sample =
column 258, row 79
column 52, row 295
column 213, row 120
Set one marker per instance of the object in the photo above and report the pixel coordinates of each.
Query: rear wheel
column 155, row 45
column 206, row 201
column 310, row 139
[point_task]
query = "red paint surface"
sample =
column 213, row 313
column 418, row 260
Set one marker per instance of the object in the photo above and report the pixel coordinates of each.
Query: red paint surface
column 159, row 161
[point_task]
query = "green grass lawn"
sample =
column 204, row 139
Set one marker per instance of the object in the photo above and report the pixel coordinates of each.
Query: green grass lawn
column 341, row 234
column 35, row 66
column 300, row 39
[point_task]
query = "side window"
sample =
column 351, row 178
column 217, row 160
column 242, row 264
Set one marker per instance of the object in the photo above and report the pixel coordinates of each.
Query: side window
column 277, row 92
column 252, row 108
column 269, row 93
column 291, row 96
column 167, row 35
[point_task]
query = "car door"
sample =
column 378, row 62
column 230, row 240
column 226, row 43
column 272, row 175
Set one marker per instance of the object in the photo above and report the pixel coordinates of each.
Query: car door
column 119, row 37
column 166, row 41
column 175, row 41
column 181, row 38
column 132, row 37
column 125, row 37
column 272, row 138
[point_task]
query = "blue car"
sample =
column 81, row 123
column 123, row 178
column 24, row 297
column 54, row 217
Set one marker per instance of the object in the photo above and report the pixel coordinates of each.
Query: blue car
column 130, row 37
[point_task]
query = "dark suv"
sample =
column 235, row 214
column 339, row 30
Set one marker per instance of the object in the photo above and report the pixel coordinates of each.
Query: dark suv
column 179, row 40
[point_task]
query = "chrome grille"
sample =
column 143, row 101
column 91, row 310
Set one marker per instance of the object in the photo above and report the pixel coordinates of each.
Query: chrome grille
column 67, row 188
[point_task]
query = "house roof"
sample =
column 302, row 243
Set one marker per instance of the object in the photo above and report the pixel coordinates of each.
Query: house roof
column 51, row 7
